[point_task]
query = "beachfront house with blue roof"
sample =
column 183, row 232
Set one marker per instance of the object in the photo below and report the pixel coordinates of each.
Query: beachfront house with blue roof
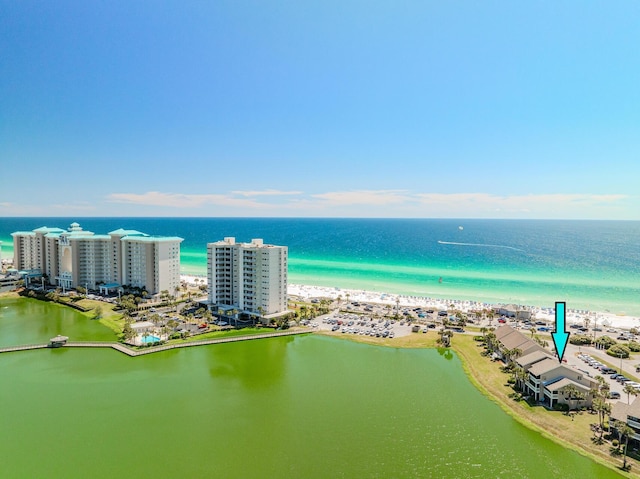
column 77, row 257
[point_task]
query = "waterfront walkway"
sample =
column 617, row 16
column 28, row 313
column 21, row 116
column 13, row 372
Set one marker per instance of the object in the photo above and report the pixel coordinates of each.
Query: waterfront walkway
column 25, row 347
column 155, row 349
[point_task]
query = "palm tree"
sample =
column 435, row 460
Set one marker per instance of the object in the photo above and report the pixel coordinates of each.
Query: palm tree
column 164, row 294
column 490, row 315
column 629, row 390
column 602, row 389
column 571, row 392
column 602, row 407
column 171, row 324
column 127, row 331
column 623, row 431
column 519, row 374
column 511, row 354
column 484, row 330
column 325, row 303
column 491, row 341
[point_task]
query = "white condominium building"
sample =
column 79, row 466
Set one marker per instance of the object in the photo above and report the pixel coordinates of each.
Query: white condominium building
column 76, row 257
column 29, row 248
column 251, row 277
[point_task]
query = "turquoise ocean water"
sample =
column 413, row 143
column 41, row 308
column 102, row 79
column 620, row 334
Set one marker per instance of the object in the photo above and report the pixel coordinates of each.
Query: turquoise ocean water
column 591, row 265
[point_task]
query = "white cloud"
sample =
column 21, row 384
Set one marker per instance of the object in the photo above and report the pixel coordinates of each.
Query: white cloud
column 268, row 192
column 181, row 200
column 363, row 197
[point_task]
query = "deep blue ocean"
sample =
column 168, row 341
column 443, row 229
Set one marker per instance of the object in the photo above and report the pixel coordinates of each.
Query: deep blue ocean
column 591, row 265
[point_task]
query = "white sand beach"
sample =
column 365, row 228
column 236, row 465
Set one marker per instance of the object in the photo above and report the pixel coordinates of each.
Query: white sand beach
column 606, row 320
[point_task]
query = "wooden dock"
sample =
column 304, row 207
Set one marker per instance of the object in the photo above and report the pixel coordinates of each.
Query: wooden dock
column 26, row 347
column 129, row 351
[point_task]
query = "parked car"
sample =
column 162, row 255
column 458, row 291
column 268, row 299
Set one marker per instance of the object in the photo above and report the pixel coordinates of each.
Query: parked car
column 614, row 395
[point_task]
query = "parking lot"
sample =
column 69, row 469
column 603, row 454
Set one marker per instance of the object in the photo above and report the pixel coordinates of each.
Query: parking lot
column 364, row 325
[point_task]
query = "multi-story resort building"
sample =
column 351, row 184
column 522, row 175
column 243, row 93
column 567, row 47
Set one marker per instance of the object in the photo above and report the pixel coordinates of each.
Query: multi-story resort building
column 75, row 257
column 547, row 380
column 247, row 278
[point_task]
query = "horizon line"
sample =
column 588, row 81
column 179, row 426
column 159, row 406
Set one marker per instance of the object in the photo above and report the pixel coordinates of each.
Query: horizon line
column 323, row 217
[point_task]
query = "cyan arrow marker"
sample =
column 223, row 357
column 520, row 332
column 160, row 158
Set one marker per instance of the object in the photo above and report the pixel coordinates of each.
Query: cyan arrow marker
column 560, row 336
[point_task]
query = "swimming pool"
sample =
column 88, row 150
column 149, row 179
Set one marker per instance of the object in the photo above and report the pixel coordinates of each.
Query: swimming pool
column 149, row 339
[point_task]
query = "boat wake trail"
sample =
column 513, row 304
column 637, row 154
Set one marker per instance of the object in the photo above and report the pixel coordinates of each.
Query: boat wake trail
column 482, row 245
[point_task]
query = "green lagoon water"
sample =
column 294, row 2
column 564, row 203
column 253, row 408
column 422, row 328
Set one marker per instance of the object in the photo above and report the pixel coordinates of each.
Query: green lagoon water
column 29, row 321
column 296, row 407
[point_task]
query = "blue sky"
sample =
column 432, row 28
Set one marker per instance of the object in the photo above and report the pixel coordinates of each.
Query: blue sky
column 494, row 109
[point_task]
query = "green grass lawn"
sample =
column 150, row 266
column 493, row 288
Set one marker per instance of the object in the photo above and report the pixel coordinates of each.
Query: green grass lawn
column 109, row 318
column 222, row 334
